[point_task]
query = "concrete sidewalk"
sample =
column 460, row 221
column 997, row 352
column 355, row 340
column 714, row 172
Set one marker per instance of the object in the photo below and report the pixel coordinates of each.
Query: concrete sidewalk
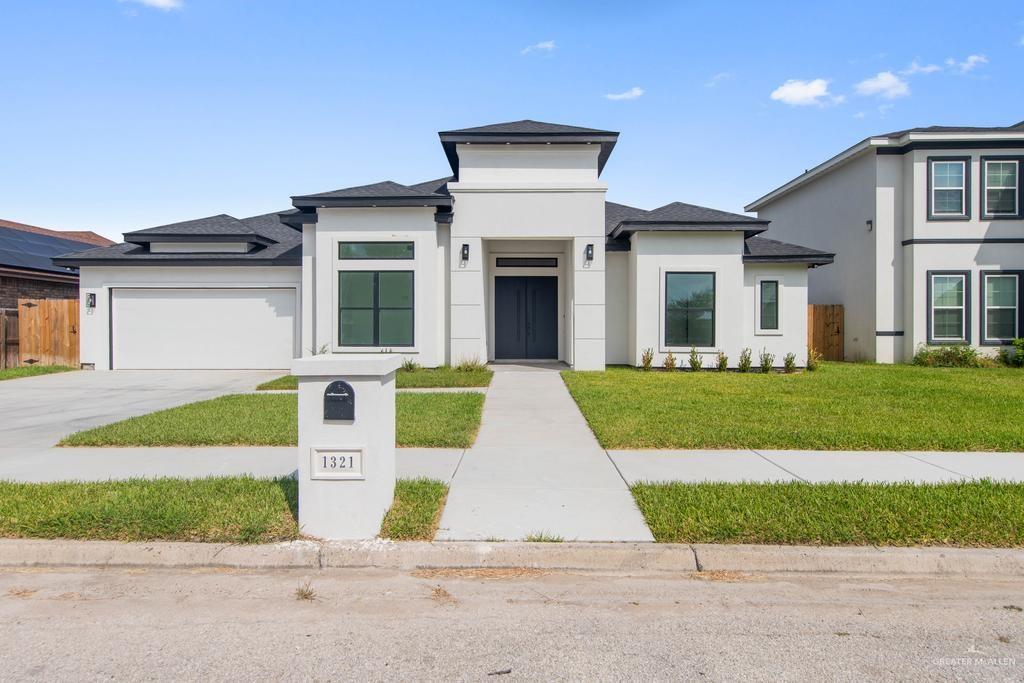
column 537, row 468
column 102, row 464
column 815, row 466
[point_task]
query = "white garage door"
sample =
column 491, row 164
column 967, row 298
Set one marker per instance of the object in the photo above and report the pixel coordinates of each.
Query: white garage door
column 203, row 328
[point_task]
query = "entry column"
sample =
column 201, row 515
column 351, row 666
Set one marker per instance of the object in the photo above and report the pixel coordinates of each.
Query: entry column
column 588, row 294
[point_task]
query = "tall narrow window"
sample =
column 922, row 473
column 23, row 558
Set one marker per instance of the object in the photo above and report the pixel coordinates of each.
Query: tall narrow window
column 769, row 305
column 689, row 309
column 1001, row 188
column 1001, row 294
column 948, row 188
column 375, row 308
column 948, row 308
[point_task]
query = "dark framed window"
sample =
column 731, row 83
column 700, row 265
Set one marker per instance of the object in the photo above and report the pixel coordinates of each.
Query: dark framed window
column 689, row 309
column 1000, row 307
column 949, row 307
column 1000, row 187
column 350, row 251
column 949, row 188
column 526, row 262
column 769, row 305
column 375, row 308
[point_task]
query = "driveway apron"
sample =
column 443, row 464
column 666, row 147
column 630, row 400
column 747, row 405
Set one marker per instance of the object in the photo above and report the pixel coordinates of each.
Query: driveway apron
column 537, row 468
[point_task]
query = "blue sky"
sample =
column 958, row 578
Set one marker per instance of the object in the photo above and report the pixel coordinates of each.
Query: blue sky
column 125, row 114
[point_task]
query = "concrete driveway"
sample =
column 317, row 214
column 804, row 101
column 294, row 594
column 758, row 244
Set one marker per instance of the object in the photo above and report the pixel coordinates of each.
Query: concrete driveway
column 36, row 412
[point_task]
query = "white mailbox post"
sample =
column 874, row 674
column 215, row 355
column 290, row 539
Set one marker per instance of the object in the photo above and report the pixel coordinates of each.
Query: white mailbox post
column 346, row 465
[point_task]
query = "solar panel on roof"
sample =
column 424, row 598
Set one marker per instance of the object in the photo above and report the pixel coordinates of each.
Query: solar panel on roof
column 31, row 250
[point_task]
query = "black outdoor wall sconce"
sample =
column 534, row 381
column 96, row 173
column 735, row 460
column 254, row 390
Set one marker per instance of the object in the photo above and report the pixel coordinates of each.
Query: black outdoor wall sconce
column 90, row 300
column 588, row 253
column 465, row 252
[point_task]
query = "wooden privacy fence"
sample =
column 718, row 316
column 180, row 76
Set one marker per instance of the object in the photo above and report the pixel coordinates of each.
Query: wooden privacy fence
column 48, row 332
column 825, row 330
column 8, row 337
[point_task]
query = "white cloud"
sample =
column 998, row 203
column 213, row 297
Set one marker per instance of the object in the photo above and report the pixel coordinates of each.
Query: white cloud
column 543, row 46
column 631, row 94
column 884, row 84
column 916, row 67
column 859, row 115
column 165, row 5
column 968, row 65
column 798, row 93
column 719, row 78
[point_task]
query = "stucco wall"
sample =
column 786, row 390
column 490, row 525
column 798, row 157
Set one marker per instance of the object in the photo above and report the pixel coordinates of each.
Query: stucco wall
column 616, row 318
column 830, row 214
column 415, row 224
column 98, row 280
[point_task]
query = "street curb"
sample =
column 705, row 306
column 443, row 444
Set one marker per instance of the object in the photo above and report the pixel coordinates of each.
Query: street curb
column 609, row 557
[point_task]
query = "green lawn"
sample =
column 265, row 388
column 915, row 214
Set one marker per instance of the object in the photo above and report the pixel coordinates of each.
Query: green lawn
column 849, row 406
column 222, row 509
column 439, row 420
column 416, row 510
column 975, row 514
column 32, row 371
column 424, row 378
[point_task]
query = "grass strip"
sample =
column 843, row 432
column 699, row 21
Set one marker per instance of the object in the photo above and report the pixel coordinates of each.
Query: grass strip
column 969, row 514
column 217, row 509
column 32, row 371
column 416, row 510
column 422, row 378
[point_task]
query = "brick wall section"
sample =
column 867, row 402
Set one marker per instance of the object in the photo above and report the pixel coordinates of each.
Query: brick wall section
column 14, row 288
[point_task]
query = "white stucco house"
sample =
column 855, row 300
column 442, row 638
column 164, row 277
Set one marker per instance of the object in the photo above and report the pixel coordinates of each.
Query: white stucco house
column 928, row 228
column 515, row 255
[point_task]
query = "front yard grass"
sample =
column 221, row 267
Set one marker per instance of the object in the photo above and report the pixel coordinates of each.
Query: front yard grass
column 842, row 406
column 32, row 371
column 416, row 510
column 220, row 509
column 424, row 378
column 970, row 514
column 427, row 420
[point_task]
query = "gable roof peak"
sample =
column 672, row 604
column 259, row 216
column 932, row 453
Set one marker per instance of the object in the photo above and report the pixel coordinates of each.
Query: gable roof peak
column 527, row 127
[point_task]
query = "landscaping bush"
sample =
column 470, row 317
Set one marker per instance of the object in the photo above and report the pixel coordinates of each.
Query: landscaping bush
column 813, row 358
column 647, row 359
column 1014, row 357
column 767, row 360
column 473, row 364
column 949, row 357
column 745, row 362
column 409, row 365
column 722, row 362
column 789, row 362
column 670, row 361
column 695, row 361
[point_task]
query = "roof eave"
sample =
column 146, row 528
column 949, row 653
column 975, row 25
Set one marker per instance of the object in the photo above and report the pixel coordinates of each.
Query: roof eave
column 146, row 238
column 186, row 260
column 626, row 228
column 810, row 259
column 449, row 140
column 346, row 202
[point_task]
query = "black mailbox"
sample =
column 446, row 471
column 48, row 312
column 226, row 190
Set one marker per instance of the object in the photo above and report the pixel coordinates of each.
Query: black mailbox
column 339, row 401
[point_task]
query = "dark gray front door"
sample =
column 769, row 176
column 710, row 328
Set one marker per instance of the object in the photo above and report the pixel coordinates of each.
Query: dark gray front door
column 526, row 317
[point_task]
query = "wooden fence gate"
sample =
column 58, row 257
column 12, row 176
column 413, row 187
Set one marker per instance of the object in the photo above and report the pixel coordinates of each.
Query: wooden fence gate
column 8, row 337
column 825, row 330
column 48, row 332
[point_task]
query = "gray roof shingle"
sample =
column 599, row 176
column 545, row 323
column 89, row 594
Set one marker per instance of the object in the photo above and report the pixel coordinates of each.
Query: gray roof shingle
column 527, row 127
column 759, row 249
column 219, row 225
column 386, row 193
column 622, row 220
column 1015, row 128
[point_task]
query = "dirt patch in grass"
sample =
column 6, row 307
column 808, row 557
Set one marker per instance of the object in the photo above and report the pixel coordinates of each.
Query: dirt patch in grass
column 487, row 573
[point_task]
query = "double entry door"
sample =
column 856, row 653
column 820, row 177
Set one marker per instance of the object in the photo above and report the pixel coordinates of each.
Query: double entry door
column 525, row 317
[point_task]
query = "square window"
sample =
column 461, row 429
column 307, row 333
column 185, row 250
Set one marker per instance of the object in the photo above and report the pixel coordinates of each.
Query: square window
column 375, row 308
column 690, row 309
column 948, row 187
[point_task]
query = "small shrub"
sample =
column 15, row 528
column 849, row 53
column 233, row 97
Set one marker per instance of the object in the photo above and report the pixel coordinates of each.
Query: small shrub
column 789, row 362
column 948, row 357
column 473, row 364
column 767, row 360
column 722, row 362
column 1014, row 357
column 670, row 361
column 745, row 361
column 695, row 361
column 409, row 365
column 647, row 359
column 813, row 359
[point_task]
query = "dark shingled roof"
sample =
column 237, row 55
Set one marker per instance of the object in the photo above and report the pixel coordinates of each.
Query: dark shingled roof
column 622, row 220
column 527, row 127
column 763, row 250
column 1015, row 128
column 221, row 226
column 384, row 193
column 282, row 246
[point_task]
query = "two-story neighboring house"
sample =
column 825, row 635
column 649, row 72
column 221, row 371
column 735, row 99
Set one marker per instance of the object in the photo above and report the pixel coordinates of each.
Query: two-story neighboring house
column 515, row 255
column 927, row 225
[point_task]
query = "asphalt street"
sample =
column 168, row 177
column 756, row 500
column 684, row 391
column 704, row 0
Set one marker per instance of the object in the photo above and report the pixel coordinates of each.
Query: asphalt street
column 501, row 625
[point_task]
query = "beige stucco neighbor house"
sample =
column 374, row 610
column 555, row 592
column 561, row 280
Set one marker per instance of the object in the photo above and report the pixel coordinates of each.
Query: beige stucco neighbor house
column 515, row 255
column 928, row 228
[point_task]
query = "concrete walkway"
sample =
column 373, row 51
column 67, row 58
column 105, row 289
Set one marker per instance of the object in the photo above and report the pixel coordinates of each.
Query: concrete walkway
column 537, row 468
column 816, row 466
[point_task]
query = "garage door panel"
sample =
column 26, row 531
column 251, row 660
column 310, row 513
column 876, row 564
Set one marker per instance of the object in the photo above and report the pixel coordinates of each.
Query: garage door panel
column 203, row 328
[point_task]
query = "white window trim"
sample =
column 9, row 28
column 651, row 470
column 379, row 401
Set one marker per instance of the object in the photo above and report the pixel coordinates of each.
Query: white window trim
column 985, row 306
column 663, row 347
column 987, row 187
column 757, row 305
column 962, row 188
column 376, row 265
column 962, row 308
